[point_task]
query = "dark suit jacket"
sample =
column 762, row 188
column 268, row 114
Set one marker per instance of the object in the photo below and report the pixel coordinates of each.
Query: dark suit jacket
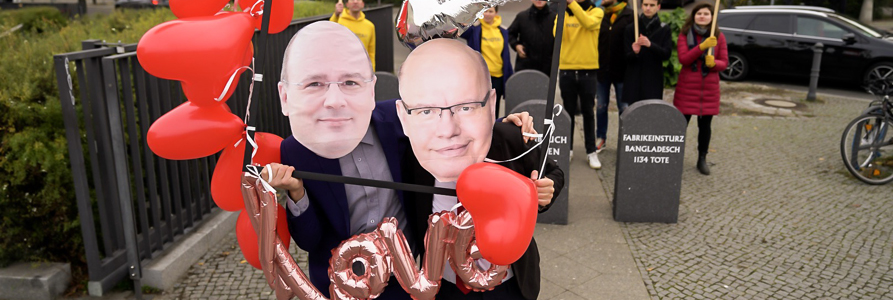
column 507, row 143
column 325, row 223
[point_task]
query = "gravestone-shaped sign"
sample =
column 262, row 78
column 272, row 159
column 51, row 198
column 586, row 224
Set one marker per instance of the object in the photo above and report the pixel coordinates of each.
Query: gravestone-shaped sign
column 525, row 85
column 387, row 86
column 559, row 150
column 648, row 178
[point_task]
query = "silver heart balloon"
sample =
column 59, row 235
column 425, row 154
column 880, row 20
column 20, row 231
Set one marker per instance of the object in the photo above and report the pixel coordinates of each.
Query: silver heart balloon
column 423, row 20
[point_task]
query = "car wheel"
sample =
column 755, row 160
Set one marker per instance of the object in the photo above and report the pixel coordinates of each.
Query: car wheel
column 737, row 68
column 879, row 71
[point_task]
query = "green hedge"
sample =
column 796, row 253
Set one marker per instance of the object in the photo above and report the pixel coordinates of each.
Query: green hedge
column 675, row 19
column 38, row 211
column 35, row 19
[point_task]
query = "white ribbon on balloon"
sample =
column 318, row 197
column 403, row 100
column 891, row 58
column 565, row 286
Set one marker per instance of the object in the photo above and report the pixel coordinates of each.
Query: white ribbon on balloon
column 256, row 174
column 232, row 78
column 251, row 10
column 455, row 210
column 540, row 137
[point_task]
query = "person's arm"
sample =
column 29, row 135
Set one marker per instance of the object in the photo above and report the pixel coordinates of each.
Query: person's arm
column 686, row 56
column 515, row 32
column 339, row 7
column 591, row 20
column 467, row 33
column 306, row 228
column 555, row 24
column 522, row 119
column 303, row 221
column 532, row 163
column 628, row 40
column 552, row 172
column 371, row 47
column 661, row 43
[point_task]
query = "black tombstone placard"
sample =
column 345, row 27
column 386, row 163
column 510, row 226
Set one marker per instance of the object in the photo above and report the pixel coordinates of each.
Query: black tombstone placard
column 648, row 178
column 559, row 150
column 525, row 85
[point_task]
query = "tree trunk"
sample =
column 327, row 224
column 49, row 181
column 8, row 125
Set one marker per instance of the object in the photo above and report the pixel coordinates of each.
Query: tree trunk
column 867, row 11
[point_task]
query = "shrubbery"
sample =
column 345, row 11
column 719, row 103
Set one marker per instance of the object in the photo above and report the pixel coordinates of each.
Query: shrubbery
column 38, row 213
column 36, row 19
column 675, row 20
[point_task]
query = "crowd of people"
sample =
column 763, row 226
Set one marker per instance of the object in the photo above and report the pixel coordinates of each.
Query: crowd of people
column 599, row 50
column 435, row 130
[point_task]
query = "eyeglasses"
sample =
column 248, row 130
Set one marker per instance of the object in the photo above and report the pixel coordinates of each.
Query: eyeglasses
column 349, row 86
column 429, row 114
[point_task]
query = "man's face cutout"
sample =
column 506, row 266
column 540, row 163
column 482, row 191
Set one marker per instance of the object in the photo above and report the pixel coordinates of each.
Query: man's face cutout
column 327, row 91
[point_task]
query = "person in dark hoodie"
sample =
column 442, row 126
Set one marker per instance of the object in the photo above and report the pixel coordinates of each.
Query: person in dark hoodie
column 531, row 37
column 611, row 71
column 645, row 55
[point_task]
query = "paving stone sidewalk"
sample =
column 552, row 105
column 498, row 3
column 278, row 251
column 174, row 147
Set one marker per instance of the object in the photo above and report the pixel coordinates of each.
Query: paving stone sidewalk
column 779, row 218
column 223, row 273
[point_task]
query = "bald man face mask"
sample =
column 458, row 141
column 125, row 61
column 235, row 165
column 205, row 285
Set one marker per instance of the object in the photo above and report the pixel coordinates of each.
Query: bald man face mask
column 327, row 89
column 447, row 107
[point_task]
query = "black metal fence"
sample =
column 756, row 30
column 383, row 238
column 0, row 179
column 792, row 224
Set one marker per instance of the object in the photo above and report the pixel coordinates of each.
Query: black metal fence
column 133, row 204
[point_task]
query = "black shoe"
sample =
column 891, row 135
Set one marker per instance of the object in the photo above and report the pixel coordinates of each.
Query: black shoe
column 702, row 164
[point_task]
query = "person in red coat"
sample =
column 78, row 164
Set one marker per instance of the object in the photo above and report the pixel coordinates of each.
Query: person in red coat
column 697, row 90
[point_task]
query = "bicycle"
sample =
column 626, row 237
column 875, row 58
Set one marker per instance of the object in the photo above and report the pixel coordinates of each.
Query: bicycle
column 867, row 143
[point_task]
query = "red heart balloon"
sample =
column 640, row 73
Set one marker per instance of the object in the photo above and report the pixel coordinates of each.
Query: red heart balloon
column 196, row 8
column 503, row 205
column 226, row 183
column 283, row 12
column 201, row 52
column 267, row 148
column 190, row 131
column 247, row 237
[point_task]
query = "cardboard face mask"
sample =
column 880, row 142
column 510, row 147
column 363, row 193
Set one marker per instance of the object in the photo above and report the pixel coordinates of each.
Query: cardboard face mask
column 447, row 107
column 327, row 89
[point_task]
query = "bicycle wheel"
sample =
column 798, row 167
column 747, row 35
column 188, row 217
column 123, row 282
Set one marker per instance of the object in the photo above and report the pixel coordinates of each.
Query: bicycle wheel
column 867, row 149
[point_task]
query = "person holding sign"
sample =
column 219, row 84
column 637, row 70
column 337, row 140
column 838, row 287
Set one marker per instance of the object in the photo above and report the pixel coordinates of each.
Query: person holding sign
column 577, row 69
column 355, row 20
column 447, row 111
column 645, row 55
column 326, row 90
column 703, row 54
column 327, row 93
column 612, row 66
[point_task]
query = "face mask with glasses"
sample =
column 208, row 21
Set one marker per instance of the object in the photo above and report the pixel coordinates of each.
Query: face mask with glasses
column 431, row 114
column 349, row 86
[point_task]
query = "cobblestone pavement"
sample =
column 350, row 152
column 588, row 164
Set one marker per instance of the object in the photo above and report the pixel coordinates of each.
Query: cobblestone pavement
column 223, row 273
column 779, row 218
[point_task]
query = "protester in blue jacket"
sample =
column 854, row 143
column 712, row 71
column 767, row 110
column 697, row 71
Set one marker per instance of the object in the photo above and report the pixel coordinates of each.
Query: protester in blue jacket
column 491, row 40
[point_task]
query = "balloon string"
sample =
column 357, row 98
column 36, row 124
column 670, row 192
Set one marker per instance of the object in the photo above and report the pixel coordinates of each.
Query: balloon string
column 253, row 172
column 455, row 210
column 248, row 131
column 548, row 134
column 229, row 82
column 251, row 10
column 250, row 92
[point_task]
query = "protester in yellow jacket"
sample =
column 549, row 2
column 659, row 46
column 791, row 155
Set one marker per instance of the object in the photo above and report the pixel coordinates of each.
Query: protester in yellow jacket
column 355, row 20
column 577, row 68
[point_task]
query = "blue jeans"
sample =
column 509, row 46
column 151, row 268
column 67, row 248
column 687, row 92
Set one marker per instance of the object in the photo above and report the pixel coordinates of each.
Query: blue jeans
column 603, row 92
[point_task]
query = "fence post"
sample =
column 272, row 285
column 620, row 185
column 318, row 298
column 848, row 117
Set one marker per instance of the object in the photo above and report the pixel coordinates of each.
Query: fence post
column 816, row 66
